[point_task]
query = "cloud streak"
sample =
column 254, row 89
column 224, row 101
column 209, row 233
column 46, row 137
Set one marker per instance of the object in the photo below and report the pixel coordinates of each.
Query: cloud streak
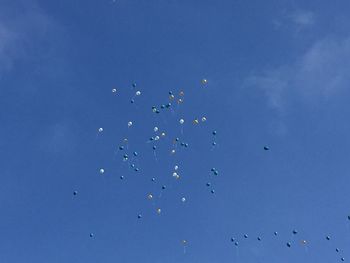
column 315, row 76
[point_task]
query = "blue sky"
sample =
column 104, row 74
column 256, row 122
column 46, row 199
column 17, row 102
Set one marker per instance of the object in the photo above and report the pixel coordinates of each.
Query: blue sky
column 277, row 75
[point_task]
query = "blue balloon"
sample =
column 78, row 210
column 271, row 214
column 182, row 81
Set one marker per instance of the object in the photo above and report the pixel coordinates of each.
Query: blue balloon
column 266, row 148
column 170, row 93
column 154, row 147
column 212, row 191
column 214, row 132
column 163, row 187
column 139, row 216
column 236, row 243
column 337, row 250
column 136, row 169
column 259, row 238
column 121, row 148
column 289, row 244
column 232, row 239
column 295, row 232
column 153, row 179
column 121, row 177
column 91, row 234
column 208, row 184
column 132, row 101
column 275, row 233
column 214, row 143
column 342, row 259
column 75, row 192
column 328, row 237
column 245, row 236
column 216, row 172
column 134, row 85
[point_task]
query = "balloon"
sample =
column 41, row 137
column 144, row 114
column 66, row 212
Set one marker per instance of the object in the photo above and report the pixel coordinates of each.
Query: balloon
column 102, row 171
column 303, row 242
column 156, row 138
column 121, row 148
column 176, row 167
column 126, row 157
column 150, row 196
column 204, row 119
column 163, row 134
column 204, row 81
column 171, row 97
column 195, row 121
column 162, row 106
column 342, row 259
column 216, row 172
column 349, row 217
column 135, row 153
column 139, row 216
column 289, row 244
column 266, row 148
column 328, row 237
column 134, row 85
column 214, row 143
column 181, row 93
column 275, row 233
column 75, row 192
column 259, row 238
column 245, row 236
column 155, row 129
column 159, row 211
column 184, row 242
column 138, row 93
column 173, row 151
column 208, row 184
column 214, row 132
column 126, row 140
column 132, row 101
column 91, row 234
column 129, row 123
column 295, row 232
column 153, row 179
column 163, row 187
column 132, row 165
column 168, row 105
column 183, row 199
column 236, row 243
column 114, row 90
column 175, row 174
column 212, row 191
column 337, row 250
column 121, row 177
column 177, row 139
column 100, row 130
column 136, row 169
column 154, row 147
column 212, row 169
column 232, row 239
column 182, row 121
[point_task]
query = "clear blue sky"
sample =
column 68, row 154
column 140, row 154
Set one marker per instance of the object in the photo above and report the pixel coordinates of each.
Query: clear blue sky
column 278, row 75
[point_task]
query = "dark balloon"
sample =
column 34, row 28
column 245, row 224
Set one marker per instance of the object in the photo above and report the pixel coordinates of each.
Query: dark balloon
column 214, row 132
column 328, row 237
column 136, row 169
column 232, row 239
column 134, row 85
column 121, row 177
column 153, row 179
column 212, row 191
column 121, row 148
column 75, row 192
column 275, row 233
column 289, row 244
column 245, row 236
column 342, row 259
column 337, row 250
column 163, row 187
column 214, row 143
column 154, row 147
column 259, row 238
column 295, row 232
column 132, row 101
column 135, row 153
column 216, row 172
column 162, row 106
column 266, row 148
column 236, row 243
column 208, row 184
column 91, row 235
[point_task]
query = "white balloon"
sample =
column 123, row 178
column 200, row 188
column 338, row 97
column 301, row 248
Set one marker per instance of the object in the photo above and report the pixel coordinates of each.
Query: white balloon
column 129, row 123
column 204, row 81
column 204, row 119
column 183, row 199
column 155, row 129
column 182, row 121
column 159, row 211
column 114, row 90
column 100, row 130
column 176, row 167
column 156, row 138
column 138, row 93
column 102, row 171
column 175, row 174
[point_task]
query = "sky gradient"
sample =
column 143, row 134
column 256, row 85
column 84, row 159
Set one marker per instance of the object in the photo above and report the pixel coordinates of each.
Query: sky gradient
column 278, row 75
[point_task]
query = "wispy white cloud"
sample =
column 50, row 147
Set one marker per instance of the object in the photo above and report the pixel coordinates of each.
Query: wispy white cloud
column 295, row 21
column 315, row 76
column 19, row 27
column 303, row 18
